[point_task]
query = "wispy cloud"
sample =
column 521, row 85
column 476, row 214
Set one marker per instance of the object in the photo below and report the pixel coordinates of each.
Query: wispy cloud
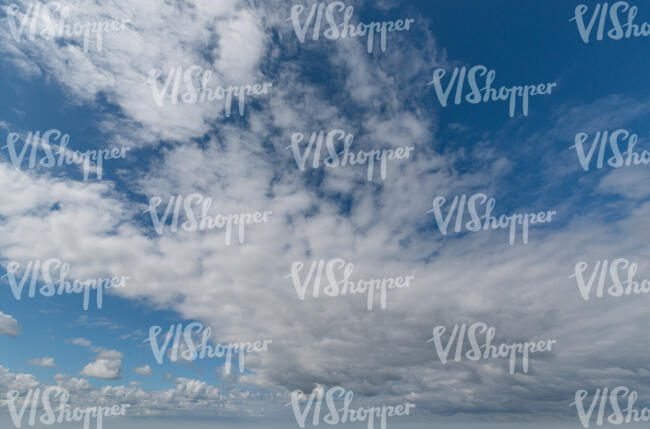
column 143, row 370
column 45, row 362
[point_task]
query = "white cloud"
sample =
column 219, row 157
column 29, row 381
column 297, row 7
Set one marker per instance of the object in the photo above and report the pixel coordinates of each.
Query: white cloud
column 158, row 36
column 81, row 342
column 45, row 362
column 631, row 182
column 143, row 370
column 108, row 369
column 102, row 353
column 382, row 228
column 107, row 364
column 109, row 354
column 11, row 381
column 187, row 395
column 72, row 384
column 241, row 45
column 8, row 325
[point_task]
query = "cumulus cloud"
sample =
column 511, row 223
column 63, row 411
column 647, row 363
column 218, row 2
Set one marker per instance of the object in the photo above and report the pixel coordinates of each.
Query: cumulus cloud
column 72, row 384
column 107, row 364
column 9, row 325
column 186, row 396
column 12, row 381
column 109, row 369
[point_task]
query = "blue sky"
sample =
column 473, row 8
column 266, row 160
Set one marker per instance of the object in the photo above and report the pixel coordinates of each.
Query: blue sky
column 103, row 100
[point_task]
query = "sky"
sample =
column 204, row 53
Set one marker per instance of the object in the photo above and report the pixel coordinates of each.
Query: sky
column 106, row 95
